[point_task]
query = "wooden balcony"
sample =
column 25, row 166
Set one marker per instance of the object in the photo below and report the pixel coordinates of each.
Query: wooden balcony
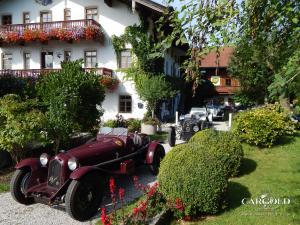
column 57, row 30
column 38, row 72
column 226, row 89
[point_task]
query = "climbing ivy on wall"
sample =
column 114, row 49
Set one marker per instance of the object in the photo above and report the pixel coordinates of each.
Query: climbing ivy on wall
column 142, row 44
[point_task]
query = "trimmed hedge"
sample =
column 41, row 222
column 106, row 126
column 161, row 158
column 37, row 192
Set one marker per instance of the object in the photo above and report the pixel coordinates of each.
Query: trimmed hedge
column 225, row 143
column 263, row 126
column 190, row 173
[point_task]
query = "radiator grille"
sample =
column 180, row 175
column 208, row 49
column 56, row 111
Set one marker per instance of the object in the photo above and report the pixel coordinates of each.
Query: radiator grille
column 54, row 179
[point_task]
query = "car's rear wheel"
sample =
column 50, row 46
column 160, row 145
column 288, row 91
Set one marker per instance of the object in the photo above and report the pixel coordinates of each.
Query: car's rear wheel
column 171, row 136
column 159, row 154
column 18, row 186
column 84, row 196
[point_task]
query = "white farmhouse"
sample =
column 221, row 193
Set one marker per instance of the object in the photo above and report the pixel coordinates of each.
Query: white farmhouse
column 69, row 23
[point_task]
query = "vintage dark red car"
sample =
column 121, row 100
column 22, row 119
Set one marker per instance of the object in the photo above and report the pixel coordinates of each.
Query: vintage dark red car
column 77, row 177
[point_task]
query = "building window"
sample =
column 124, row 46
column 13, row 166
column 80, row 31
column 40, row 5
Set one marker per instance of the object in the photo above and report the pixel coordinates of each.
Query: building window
column 125, row 59
column 90, row 59
column 6, row 19
column 26, row 17
column 26, row 61
column 46, row 60
column 228, row 82
column 91, row 13
column 46, row 17
column 67, row 56
column 67, row 14
column 125, row 104
column 7, row 61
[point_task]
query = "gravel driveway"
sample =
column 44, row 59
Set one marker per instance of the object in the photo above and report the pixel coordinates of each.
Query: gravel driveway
column 13, row 213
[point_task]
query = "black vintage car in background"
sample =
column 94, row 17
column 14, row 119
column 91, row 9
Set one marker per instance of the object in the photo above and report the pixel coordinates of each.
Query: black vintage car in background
column 198, row 119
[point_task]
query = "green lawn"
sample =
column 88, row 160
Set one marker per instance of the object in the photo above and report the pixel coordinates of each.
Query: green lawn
column 275, row 172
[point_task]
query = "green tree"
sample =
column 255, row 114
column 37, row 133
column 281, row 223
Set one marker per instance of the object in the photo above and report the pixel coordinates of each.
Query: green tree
column 269, row 36
column 204, row 25
column 21, row 124
column 151, row 87
column 71, row 97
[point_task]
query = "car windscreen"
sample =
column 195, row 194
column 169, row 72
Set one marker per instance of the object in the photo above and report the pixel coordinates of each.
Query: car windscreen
column 113, row 131
column 120, row 131
column 105, row 130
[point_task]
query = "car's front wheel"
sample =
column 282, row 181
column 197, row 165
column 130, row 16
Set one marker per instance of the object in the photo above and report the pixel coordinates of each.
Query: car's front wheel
column 18, row 186
column 84, row 197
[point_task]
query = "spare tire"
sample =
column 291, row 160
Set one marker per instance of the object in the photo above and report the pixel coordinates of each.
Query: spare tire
column 5, row 159
column 171, row 136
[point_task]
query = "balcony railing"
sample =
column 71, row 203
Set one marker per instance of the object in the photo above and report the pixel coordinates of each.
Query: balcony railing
column 57, row 30
column 46, row 26
column 38, row 72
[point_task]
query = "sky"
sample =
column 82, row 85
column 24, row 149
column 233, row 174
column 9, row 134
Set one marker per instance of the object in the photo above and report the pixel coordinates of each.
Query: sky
column 177, row 3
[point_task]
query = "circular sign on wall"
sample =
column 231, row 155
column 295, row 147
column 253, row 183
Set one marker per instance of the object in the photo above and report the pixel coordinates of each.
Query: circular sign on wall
column 215, row 80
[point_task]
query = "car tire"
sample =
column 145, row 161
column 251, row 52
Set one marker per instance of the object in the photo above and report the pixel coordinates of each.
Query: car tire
column 171, row 136
column 84, row 197
column 18, row 185
column 5, row 159
column 159, row 154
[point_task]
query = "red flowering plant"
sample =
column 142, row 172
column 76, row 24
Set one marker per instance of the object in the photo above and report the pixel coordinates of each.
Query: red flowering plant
column 12, row 37
column 92, row 33
column 29, row 35
column 42, row 36
column 109, row 82
column 151, row 204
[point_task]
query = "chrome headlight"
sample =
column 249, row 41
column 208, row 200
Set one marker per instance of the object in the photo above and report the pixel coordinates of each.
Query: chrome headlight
column 44, row 159
column 72, row 164
column 195, row 128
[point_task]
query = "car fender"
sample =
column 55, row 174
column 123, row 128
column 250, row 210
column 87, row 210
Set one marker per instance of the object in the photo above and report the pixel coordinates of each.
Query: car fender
column 151, row 150
column 82, row 171
column 33, row 163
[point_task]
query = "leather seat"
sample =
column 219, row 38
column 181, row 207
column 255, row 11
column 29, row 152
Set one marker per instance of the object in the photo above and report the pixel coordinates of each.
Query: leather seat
column 137, row 140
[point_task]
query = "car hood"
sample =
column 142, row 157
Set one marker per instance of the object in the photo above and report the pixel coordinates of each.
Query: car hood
column 95, row 152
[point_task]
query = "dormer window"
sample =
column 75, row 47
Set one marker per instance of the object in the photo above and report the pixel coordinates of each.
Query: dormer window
column 46, row 16
column 91, row 13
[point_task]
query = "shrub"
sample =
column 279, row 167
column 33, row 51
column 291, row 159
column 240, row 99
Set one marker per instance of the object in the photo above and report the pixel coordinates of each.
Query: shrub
column 262, row 126
column 21, row 123
column 71, row 97
column 224, row 143
column 151, row 121
column 111, row 123
column 133, row 124
column 195, row 177
column 24, row 87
